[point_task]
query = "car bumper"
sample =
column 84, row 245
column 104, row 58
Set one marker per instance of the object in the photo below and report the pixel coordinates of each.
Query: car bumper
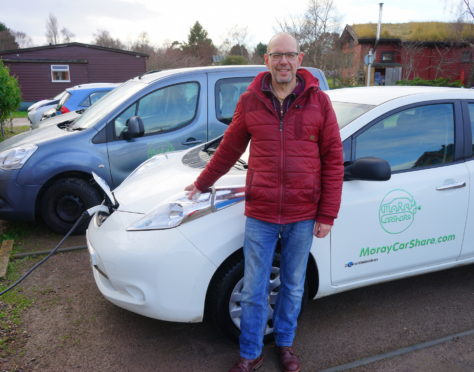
column 159, row 274
column 17, row 202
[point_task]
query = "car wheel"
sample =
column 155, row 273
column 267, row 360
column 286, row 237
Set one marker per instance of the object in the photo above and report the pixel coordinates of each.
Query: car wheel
column 226, row 294
column 64, row 201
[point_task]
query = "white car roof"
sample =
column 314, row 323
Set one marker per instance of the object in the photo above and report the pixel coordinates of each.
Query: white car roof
column 379, row 95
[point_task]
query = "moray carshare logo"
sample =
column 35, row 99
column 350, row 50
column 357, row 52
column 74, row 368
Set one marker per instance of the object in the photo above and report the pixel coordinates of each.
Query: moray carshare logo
column 397, row 211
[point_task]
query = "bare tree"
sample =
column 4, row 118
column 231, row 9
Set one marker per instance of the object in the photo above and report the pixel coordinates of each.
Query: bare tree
column 412, row 50
column 22, row 39
column 142, row 44
column 104, row 39
column 52, row 29
column 67, row 35
column 315, row 31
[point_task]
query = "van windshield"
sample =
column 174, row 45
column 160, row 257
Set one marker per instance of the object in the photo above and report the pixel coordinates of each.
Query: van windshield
column 107, row 104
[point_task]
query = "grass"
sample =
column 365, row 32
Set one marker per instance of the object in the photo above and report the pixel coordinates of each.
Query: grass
column 13, row 303
column 10, row 132
column 19, row 114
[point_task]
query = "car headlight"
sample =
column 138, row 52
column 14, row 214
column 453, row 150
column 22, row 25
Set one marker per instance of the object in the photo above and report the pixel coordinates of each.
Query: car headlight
column 180, row 209
column 16, row 157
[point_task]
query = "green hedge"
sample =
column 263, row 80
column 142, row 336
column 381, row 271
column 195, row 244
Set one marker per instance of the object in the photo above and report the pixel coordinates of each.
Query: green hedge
column 439, row 82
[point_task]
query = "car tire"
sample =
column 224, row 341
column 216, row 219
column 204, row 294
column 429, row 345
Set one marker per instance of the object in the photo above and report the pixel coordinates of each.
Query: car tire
column 64, row 201
column 225, row 293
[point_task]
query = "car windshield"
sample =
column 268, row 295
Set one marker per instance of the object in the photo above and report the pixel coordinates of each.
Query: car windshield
column 106, row 104
column 349, row 111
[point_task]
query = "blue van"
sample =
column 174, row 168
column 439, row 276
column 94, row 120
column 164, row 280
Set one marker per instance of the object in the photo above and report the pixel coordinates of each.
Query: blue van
column 47, row 173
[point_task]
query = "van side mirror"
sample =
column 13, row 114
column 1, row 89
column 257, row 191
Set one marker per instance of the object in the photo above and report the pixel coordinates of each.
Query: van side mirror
column 135, row 127
column 367, row 169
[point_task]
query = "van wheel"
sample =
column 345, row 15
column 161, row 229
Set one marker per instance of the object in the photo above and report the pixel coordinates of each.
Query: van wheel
column 64, row 201
column 226, row 293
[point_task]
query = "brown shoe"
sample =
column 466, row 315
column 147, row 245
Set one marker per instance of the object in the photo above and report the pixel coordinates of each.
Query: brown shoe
column 247, row 365
column 288, row 360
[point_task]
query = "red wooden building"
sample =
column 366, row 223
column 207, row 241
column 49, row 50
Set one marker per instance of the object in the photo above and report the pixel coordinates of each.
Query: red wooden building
column 428, row 50
column 45, row 71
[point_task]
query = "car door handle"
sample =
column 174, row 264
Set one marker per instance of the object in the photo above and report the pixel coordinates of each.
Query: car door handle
column 451, row 186
column 191, row 141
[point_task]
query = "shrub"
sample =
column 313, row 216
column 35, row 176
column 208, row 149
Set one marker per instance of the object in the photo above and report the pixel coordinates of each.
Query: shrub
column 439, row 82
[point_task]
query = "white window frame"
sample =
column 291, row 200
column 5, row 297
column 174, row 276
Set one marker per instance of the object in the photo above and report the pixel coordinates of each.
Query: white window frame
column 60, row 68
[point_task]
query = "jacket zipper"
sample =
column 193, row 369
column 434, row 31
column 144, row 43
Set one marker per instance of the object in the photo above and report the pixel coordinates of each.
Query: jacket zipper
column 282, row 138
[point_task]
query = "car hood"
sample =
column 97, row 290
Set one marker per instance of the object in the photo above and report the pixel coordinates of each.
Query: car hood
column 154, row 181
column 36, row 136
column 60, row 119
column 161, row 179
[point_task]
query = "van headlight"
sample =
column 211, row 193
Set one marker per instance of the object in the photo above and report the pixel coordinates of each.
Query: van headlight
column 16, row 157
column 180, row 209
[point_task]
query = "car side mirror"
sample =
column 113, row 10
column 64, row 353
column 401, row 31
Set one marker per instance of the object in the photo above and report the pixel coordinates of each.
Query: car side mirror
column 367, row 169
column 135, row 127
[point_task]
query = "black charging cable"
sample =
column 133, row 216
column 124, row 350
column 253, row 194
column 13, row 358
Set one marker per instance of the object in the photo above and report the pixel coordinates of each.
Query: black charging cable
column 86, row 213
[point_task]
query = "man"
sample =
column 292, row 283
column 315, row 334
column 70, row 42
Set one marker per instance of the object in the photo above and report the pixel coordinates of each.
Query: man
column 293, row 190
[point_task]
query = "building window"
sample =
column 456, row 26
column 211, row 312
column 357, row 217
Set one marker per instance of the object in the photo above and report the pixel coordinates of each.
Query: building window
column 60, row 74
column 387, row 57
column 466, row 56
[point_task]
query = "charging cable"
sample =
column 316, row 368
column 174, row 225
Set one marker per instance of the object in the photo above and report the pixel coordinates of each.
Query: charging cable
column 89, row 212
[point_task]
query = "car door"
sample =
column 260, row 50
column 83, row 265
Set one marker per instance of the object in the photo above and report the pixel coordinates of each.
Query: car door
column 417, row 218
column 468, row 243
column 174, row 117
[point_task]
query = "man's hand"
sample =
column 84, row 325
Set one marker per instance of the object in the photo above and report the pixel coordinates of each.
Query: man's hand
column 321, row 230
column 192, row 190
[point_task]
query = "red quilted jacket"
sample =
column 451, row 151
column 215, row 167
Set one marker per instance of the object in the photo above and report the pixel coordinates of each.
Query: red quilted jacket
column 295, row 168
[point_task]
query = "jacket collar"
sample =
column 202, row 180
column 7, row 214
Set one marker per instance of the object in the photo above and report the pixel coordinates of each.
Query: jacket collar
column 310, row 82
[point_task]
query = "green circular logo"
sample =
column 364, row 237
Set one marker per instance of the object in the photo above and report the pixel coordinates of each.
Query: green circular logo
column 397, row 211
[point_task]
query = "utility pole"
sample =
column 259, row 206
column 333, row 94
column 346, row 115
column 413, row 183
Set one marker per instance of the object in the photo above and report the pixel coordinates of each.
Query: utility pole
column 371, row 55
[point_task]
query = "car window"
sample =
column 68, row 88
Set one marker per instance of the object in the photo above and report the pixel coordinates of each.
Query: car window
column 348, row 111
column 163, row 110
column 417, row 137
column 471, row 115
column 92, row 98
column 227, row 93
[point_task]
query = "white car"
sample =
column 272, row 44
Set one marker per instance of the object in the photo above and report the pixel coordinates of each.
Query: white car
column 406, row 208
column 36, row 110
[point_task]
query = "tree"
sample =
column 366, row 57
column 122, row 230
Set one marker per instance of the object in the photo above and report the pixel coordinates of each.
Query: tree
column 104, row 39
column 315, row 31
column 142, row 44
column 22, row 39
column 199, row 45
column 258, row 53
column 234, row 60
column 10, row 95
column 52, row 30
column 67, row 35
column 7, row 38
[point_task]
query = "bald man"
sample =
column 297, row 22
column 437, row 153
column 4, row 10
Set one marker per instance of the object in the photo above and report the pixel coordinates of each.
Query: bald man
column 293, row 191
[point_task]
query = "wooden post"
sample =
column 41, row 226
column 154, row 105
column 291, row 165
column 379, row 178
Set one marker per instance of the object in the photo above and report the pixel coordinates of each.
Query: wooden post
column 5, row 250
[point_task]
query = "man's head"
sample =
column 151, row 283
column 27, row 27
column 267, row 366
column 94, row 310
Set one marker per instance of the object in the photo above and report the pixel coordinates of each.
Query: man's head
column 283, row 58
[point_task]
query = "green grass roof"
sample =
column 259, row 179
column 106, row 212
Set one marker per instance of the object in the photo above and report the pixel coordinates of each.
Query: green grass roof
column 417, row 31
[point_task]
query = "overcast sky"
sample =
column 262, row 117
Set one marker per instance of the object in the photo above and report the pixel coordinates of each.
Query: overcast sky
column 166, row 21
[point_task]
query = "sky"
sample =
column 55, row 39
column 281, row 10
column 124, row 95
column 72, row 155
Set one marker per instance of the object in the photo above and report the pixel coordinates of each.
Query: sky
column 166, row 21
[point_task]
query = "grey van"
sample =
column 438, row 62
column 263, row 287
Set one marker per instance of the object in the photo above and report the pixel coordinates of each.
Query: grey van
column 46, row 173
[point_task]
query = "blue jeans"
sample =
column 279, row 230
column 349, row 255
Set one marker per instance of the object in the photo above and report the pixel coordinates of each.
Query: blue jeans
column 259, row 247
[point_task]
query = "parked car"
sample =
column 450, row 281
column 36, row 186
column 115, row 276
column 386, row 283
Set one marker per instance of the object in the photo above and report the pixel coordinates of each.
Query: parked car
column 36, row 110
column 61, row 121
column 46, row 173
column 405, row 209
column 79, row 97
